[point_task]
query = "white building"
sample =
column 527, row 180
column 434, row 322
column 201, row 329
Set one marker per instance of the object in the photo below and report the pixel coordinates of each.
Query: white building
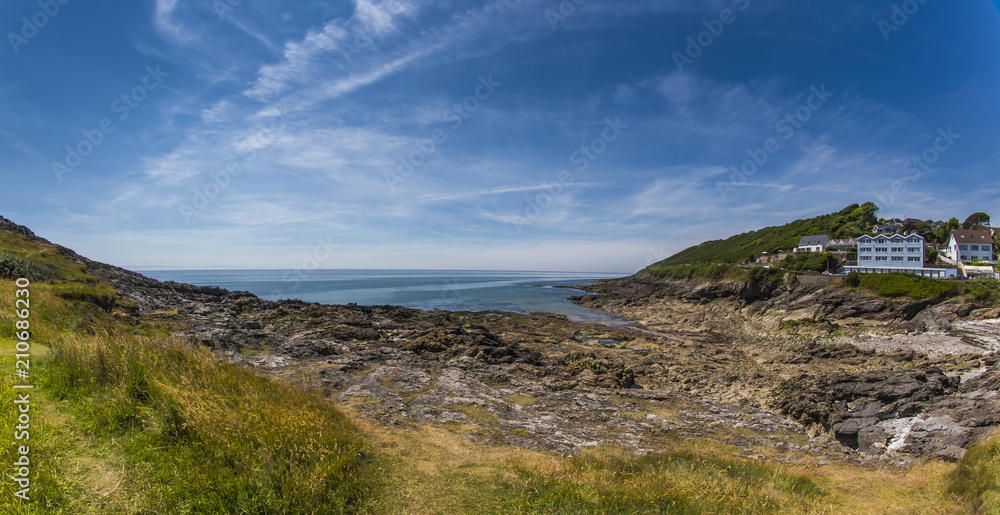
column 895, row 251
column 969, row 246
column 881, row 254
column 842, row 244
column 888, row 227
column 815, row 243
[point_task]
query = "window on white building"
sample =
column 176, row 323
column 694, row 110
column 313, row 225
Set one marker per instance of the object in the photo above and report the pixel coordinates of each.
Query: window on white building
column 912, row 258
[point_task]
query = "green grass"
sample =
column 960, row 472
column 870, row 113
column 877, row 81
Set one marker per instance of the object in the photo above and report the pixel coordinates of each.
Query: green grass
column 901, row 285
column 194, row 435
column 44, row 490
column 133, row 421
column 36, row 260
column 676, row 482
column 712, row 272
column 804, row 322
column 94, row 293
column 718, row 272
column 204, row 437
column 976, row 480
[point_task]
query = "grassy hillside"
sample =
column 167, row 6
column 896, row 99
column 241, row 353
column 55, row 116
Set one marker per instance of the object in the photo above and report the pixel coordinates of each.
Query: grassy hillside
column 851, row 221
column 128, row 419
column 131, row 420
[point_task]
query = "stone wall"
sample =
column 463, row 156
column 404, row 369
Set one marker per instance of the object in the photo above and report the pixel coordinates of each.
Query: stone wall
column 819, row 280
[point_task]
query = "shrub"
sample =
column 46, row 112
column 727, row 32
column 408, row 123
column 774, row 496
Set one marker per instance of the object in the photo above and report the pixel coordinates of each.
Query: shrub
column 985, row 289
column 809, row 261
column 902, row 285
column 14, row 266
column 765, row 275
column 710, row 271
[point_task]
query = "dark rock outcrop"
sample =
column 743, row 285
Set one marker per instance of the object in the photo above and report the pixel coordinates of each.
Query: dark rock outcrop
column 7, row 225
column 922, row 413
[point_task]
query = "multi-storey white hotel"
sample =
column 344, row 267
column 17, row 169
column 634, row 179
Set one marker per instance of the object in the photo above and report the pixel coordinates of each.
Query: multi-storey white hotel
column 883, row 253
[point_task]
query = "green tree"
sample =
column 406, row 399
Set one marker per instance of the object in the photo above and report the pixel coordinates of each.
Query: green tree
column 943, row 233
column 976, row 221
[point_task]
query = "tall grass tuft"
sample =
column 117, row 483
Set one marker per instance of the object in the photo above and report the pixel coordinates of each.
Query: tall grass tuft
column 206, row 437
column 976, row 480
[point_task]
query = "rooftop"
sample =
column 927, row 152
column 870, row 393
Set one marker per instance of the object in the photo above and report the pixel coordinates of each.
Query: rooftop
column 982, row 236
column 816, row 239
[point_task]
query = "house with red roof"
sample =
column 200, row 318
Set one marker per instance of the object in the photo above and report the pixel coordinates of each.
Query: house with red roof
column 970, row 246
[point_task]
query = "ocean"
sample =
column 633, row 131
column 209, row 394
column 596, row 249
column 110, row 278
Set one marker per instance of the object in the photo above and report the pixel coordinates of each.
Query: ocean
column 451, row 290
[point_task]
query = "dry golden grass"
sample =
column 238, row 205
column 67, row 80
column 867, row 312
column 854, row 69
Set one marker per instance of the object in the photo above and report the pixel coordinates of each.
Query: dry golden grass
column 435, row 469
column 523, row 400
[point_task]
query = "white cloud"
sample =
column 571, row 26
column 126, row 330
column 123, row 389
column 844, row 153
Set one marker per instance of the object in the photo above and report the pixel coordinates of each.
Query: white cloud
column 678, row 87
column 624, row 94
column 339, row 87
column 219, row 112
column 431, row 197
column 176, row 167
column 380, row 17
column 302, row 60
column 298, row 61
column 163, row 20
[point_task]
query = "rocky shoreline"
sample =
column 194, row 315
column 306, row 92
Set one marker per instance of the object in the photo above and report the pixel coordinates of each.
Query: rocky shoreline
column 798, row 375
column 892, row 378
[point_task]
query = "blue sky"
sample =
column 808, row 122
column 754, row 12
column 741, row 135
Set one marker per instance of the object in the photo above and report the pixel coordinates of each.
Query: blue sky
column 585, row 135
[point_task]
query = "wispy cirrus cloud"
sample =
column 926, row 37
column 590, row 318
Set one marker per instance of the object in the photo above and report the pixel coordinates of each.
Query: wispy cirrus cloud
column 353, row 87
column 298, row 62
column 163, row 20
column 306, row 59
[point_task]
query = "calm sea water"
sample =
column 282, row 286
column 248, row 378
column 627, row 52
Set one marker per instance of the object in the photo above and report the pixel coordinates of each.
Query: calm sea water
column 452, row 290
